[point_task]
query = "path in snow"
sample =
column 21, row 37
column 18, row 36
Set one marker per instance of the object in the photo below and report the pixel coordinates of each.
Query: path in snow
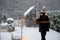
column 30, row 33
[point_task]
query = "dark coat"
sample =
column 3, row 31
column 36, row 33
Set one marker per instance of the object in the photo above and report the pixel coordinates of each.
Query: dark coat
column 43, row 26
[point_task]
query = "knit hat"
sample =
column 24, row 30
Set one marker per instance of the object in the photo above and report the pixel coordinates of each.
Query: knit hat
column 43, row 9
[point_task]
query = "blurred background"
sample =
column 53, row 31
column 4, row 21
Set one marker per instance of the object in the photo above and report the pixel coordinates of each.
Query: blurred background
column 22, row 13
column 16, row 8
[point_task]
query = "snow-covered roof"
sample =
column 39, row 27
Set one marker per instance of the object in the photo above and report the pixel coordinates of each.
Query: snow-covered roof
column 29, row 10
column 10, row 19
column 4, row 24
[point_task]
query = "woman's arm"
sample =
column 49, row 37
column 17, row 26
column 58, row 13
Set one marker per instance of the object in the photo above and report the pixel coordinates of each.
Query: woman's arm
column 42, row 22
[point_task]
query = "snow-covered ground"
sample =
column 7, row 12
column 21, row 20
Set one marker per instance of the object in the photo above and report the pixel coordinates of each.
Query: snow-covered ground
column 29, row 33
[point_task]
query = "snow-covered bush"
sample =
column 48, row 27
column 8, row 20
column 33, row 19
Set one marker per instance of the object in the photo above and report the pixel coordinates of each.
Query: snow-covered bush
column 55, row 20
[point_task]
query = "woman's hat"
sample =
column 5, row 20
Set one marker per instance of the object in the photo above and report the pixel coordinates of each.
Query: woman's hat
column 43, row 9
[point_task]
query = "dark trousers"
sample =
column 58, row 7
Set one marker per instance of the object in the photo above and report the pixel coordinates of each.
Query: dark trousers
column 43, row 34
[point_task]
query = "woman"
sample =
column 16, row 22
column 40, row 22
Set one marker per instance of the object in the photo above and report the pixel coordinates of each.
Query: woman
column 44, row 24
